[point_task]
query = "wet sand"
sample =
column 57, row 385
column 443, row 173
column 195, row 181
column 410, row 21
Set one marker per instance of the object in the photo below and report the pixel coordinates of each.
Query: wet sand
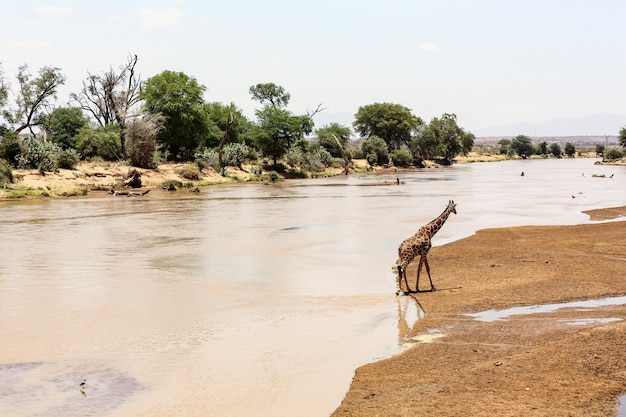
column 570, row 362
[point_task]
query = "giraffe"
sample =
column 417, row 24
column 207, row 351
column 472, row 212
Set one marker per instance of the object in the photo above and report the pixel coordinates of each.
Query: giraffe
column 418, row 245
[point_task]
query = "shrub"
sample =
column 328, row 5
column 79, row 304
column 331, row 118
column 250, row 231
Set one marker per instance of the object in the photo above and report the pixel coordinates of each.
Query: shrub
column 401, row 157
column 294, row 157
column 102, row 142
column 208, row 157
column 35, row 154
column 9, row 146
column 235, row 154
column 68, row 159
column 141, row 151
column 189, row 172
column 6, row 173
column 324, row 156
column 612, row 154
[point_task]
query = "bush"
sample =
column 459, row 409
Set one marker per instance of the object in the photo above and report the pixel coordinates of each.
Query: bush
column 9, row 146
column 141, row 151
column 102, row 142
column 189, row 172
column 324, row 156
column 401, row 157
column 208, row 157
column 612, row 154
column 35, row 154
column 375, row 150
column 235, row 154
column 68, row 159
column 6, row 173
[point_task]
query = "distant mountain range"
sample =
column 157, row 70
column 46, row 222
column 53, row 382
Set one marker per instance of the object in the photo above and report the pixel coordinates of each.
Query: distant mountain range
column 596, row 125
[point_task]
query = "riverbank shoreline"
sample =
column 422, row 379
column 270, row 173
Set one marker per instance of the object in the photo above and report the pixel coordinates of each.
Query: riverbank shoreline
column 93, row 178
column 564, row 363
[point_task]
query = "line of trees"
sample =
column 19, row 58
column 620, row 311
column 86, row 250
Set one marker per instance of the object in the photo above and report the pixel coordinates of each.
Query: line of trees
column 118, row 116
column 523, row 146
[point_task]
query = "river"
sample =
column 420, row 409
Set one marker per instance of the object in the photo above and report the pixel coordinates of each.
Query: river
column 240, row 300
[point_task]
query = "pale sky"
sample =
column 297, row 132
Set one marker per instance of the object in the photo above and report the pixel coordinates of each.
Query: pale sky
column 491, row 62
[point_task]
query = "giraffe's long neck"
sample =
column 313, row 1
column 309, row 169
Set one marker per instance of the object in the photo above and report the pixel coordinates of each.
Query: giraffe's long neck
column 434, row 226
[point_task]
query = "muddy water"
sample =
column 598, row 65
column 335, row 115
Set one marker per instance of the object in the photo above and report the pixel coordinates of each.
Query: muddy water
column 247, row 300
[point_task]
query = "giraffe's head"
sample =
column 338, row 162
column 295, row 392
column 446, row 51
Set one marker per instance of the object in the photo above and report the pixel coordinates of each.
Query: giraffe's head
column 452, row 206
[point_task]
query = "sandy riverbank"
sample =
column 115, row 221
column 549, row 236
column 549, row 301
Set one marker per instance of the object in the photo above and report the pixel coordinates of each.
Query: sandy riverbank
column 571, row 362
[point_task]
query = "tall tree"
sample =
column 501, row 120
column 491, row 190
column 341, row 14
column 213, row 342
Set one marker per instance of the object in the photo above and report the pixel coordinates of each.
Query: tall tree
column 424, row 145
column 218, row 115
column 393, row 123
column 334, row 137
column 33, row 97
column 270, row 93
column 277, row 128
column 179, row 99
column 622, row 137
column 64, row 124
column 4, row 88
column 523, row 146
column 453, row 140
column 112, row 97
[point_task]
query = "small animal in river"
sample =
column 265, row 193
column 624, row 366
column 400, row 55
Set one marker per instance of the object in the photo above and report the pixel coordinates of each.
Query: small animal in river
column 418, row 245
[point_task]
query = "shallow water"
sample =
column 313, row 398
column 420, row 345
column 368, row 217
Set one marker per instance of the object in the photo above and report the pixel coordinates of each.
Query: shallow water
column 246, row 300
column 494, row 315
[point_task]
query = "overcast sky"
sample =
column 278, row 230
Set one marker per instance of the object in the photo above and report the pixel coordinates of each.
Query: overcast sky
column 492, row 62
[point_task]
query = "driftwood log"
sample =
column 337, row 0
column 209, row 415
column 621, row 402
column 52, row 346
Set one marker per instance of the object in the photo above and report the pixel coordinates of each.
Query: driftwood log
column 124, row 193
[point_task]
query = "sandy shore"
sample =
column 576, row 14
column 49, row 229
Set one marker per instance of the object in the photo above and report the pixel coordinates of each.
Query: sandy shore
column 570, row 362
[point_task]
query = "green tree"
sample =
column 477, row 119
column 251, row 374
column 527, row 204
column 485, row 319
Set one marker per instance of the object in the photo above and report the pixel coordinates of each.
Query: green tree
column 523, row 146
column 622, row 137
column 99, row 143
column 326, row 137
column 453, row 140
column 63, row 125
column 277, row 128
column 393, row 123
column 600, row 148
column 505, row 145
column 33, row 97
column 542, row 148
column 179, row 99
column 4, row 88
column 217, row 119
column 270, row 93
column 570, row 149
column 375, row 150
column 401, row 157
column 424, row 146
column 555, row 150
column 9, row 146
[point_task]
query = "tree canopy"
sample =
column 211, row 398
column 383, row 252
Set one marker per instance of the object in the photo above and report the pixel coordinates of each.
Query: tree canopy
column 277, row 128
column 33, row 97
column 393, row 123
column 179, row 99
column 326, row 137
column 523, row 146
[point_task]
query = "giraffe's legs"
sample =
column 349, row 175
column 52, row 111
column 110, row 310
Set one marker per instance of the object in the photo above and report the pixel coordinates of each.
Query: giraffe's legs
column 424, row 260
column 402, row 273
column 432, row 287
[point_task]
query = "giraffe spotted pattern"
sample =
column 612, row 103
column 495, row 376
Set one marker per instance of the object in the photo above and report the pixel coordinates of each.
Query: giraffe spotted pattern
column 418, row 245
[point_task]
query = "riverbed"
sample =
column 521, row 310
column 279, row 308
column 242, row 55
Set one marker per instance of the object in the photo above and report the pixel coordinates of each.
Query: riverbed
column 242, row 300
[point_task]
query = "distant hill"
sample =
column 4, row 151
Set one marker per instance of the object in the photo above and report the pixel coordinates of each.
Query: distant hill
column 596, row 125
